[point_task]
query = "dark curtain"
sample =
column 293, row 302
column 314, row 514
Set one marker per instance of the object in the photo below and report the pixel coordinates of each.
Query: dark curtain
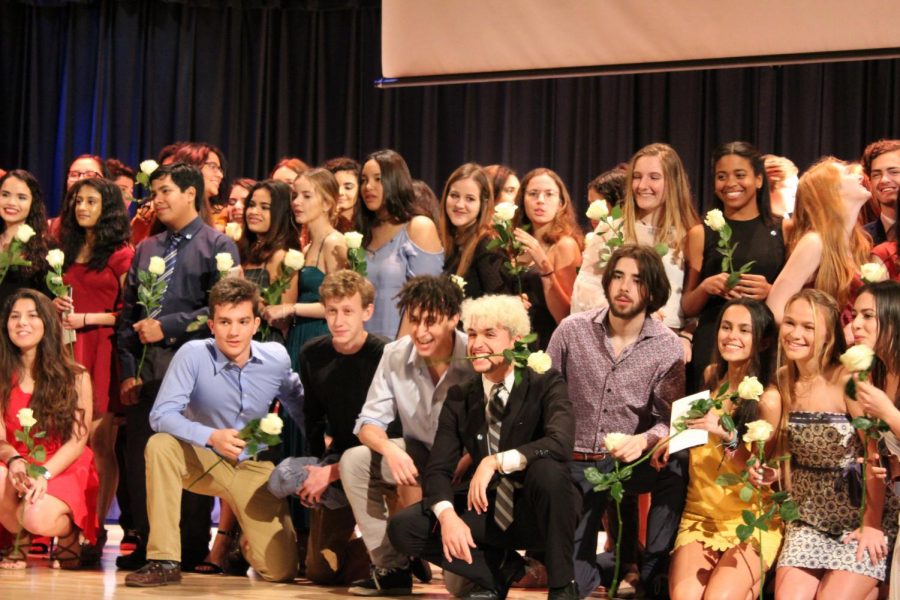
column 271, row 78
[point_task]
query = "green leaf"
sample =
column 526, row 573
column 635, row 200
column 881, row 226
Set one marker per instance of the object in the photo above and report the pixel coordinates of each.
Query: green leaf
column 732, row 280
column 661, row 249
column 744, row 532
column 625, row 473
column 746, row 493
column 617, row 491
column 789, row 511
column 850, row 388
column 21, row 436
column 749, row 517
column 727, row 422
column 35, row 471
column 722, row 389
column 197, row 323
column 517, row 375
column 39, row 435
column 779, row 497
column 494, row 244
column 861, row 423
column 616, row 212
column 752, row 461
column 614, row 242
column 727, row 479
column 39, row 454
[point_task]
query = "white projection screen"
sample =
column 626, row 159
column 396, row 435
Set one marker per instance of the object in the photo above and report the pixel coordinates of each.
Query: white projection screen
column 447, row 41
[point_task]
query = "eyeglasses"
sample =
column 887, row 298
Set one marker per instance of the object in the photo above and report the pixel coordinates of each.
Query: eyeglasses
column 215, row 168
column 84, row 175
column 548, row 194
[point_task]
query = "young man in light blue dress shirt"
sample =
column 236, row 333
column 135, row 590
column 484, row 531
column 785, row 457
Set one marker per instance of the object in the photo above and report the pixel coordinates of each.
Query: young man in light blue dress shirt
column 212, row 389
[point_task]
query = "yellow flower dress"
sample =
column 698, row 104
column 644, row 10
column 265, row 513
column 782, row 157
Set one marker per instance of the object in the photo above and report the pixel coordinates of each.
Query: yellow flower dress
column 712, row 512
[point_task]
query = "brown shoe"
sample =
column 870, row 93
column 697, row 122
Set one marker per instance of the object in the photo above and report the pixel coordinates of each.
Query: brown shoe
column 155, row 573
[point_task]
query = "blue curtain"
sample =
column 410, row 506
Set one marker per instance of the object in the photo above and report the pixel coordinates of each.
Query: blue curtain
column 264, row 79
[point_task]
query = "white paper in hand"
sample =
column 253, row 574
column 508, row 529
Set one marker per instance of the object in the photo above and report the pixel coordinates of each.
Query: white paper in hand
column 690, row 437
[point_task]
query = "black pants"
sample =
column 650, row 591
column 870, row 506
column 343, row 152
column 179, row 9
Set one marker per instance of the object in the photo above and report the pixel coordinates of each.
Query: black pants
column 545, row 514
column 195, row 509
column 667, row 488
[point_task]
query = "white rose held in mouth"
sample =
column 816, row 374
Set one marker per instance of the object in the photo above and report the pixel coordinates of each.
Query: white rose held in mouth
column 750, row 389
column 26, row 417
column 873, row 272
column 24, row 233
column 758, row 431
column 294, row 260
column 271, row 424
column 505, row 211
column 157, row 266
column 614, row 440
column 56, row 258
column 353, row 239
column 715, row 220
column 539, row 362
column 858, row 359
column 224, row 262
column 148, row 166
column 597, row 210
column 234, row 231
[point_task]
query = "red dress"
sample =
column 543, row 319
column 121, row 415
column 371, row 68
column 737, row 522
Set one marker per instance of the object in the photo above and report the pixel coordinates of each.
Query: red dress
column 98, row 292
column 76, row 486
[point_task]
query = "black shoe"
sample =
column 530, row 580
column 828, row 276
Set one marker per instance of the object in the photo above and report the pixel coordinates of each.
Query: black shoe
column 384, row 582
column 482, row 594
column 566, row 592
column 512, row 569
column 133, row 561
column 420, row 569
column 154, row 574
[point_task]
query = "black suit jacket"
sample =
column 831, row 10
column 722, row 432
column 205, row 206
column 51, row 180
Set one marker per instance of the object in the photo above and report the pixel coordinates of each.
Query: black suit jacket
column 876, row 231
column 537, row 421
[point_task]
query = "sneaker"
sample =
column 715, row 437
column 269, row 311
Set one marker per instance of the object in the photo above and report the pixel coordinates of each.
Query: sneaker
column 384, row 582
column 154, row 574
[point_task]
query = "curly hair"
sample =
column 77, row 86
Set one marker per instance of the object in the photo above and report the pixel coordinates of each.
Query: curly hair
column 111, row 231
column 55, row 372
column 36, row 248
column 258, row 248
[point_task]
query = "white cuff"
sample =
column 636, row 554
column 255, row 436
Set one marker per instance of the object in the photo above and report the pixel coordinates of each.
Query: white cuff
column 511, row 461
column 440, row 507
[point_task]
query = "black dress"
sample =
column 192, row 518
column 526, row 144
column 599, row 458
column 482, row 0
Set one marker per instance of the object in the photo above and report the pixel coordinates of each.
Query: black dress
column 485, row 275
column 756, row 241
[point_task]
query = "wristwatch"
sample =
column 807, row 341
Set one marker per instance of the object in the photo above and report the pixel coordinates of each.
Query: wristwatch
column 46, row 474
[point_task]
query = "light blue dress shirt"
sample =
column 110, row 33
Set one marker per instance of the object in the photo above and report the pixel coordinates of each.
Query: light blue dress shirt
column 204, row 391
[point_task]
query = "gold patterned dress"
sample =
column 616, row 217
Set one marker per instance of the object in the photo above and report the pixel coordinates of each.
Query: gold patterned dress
column 712, row 512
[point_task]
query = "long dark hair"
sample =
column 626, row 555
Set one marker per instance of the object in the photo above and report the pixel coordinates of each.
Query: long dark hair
column 757, row 162
column 761, row 363
column 36, row 248
column 258, row 248
column 111, row 231
column 399, row 197
column 55, row 373
column 887, row 347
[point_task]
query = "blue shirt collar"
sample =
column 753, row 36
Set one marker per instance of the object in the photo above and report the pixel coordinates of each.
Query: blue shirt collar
column 220, row 361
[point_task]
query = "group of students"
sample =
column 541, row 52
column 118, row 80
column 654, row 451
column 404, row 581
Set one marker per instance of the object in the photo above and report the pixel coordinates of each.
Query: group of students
column 389, row 436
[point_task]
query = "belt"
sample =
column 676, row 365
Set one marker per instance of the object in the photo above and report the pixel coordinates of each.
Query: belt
column 589, row 456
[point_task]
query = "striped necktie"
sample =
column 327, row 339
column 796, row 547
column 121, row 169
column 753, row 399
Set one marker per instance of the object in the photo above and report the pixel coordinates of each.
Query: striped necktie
column 171, row 257
column 503, row 506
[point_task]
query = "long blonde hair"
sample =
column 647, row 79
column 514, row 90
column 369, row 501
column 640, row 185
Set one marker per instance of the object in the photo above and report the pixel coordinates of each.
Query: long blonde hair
column 820, row 208
column 679, row 214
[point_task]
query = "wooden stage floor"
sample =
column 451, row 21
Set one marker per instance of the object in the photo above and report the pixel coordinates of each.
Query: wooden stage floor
column 39, row 582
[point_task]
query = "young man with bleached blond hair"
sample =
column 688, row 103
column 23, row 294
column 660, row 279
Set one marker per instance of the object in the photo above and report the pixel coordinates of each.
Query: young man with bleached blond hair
column 517, row 426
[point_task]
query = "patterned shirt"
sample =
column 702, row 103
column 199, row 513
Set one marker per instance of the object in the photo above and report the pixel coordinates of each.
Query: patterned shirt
column 630, row 393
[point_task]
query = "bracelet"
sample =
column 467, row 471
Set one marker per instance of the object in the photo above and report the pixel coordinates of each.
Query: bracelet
column 46, row 474
column 684, row 336
column 84, row 320
column 12, row 458
column 733, row 444
column 548, row 273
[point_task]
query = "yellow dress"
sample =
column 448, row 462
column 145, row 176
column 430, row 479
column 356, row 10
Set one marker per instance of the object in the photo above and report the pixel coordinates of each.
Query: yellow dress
column 712, row 512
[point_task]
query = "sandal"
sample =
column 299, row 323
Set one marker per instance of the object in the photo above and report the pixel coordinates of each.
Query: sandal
column 208, row 568
column 67, row 554
column 92, row 553
column 14, row 559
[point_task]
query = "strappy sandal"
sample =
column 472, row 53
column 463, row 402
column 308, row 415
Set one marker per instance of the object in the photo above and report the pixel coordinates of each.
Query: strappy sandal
column 67, row 554
column 14, row 559
column 92, row 553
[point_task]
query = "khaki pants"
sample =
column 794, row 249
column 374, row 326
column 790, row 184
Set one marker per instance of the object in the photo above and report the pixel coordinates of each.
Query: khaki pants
column 333, row 555
column 173, row 465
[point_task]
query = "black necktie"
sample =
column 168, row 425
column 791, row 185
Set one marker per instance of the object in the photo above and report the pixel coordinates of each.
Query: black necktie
column 503, row 507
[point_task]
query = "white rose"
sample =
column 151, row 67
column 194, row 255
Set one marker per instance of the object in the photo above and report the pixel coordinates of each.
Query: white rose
column 148, row 166
column 715, row 220
column 157, row 266
column 271, row 424
column 56, row 258
column 872, row 272
column 459, row 281
column 26, row 417
column 758, row 431
column 24, row 233
column 294, row 260
column 224, row 261
column 353, row 239
column 858, row 358
column 614, row 440
column 597, row 210
column 539, row 362
column 750, row 388
column 505, row 211
column 234, row 231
